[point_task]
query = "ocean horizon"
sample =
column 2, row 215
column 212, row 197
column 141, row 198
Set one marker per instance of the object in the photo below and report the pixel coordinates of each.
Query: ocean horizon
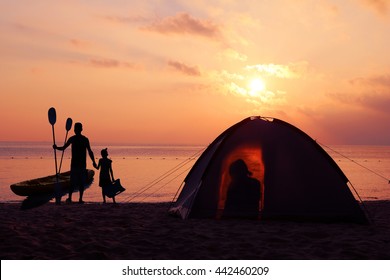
column 154, row 173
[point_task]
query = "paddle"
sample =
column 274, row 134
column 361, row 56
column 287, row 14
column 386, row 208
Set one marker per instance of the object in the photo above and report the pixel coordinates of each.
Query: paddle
column 68, row 126
column 52, row 120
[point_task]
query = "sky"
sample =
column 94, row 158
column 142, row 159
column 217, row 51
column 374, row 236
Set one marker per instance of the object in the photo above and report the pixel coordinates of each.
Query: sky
column 181, row 72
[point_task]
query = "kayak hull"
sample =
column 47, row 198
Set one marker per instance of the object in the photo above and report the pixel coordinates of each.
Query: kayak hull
column 46, row 185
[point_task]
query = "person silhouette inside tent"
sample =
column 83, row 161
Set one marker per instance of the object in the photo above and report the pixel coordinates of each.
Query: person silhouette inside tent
column 78, row 166
column 244, row 192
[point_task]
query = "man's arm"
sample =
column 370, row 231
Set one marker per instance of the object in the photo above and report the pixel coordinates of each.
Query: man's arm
column 91, row 155
column 65, row 146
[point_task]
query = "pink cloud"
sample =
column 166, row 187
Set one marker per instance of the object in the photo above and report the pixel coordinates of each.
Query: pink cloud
column 110, row 63
column 125, row 20
column 106, row 63
column 183, row 23
column 380, row 6
column 79, row 43
column 377, row 101
column 368, row 92
column 36, row 71
column 379, row 80
column 185, row 69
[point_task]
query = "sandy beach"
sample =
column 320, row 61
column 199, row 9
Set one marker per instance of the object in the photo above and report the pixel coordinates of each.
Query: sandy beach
column 146, row 231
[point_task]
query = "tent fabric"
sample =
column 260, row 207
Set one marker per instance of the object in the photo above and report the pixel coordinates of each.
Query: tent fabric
column 296, row 179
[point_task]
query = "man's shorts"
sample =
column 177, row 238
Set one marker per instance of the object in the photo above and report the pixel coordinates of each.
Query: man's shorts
column 78, row 179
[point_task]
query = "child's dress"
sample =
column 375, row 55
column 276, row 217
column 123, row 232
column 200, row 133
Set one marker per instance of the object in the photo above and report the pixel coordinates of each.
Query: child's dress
column 104, row 176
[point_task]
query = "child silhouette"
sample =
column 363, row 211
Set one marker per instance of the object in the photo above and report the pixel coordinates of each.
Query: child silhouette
column 106, row 176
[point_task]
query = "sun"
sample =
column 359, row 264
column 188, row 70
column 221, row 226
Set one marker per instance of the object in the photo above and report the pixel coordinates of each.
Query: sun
column 256, row 86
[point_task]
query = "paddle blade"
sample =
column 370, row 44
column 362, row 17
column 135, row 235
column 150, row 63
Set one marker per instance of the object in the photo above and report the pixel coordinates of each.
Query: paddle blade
column 68, row 125
column 52, row 116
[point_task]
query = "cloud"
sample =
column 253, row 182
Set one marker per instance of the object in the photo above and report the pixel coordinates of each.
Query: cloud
column 233, row 55
column 125, row 20
column 377, row 81
column 225, row 75
column 380, row 6
column 183, row 23
column 263, row 97
column 236, row 84
column 290, row 71
column 185, row 69
column 367, row 92
column 110, row 63
column 240, row 83
column 37, row 71
column 376, row 101
column 342, row 97
column 79, row 43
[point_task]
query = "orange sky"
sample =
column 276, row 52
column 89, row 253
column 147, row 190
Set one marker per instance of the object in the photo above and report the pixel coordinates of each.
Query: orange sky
column 181, row 72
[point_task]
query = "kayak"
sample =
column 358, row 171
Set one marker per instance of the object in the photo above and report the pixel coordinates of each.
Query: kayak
column 46, row 185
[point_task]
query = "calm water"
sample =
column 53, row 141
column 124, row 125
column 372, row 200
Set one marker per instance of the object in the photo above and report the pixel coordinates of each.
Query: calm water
column 154, row 173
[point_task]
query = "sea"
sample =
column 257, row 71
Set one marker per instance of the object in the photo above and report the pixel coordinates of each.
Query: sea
column 155, row 173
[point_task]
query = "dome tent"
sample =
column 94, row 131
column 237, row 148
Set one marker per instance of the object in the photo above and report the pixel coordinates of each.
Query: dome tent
column 298, row 180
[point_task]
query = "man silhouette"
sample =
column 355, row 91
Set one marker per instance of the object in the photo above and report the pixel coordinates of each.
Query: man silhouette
column 78, row 167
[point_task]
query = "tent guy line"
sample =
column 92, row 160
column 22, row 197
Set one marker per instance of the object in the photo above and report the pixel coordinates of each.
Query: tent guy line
column 165, row 175
column 361, row 165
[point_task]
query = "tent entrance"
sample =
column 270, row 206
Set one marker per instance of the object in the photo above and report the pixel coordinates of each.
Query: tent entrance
column 241, row 184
